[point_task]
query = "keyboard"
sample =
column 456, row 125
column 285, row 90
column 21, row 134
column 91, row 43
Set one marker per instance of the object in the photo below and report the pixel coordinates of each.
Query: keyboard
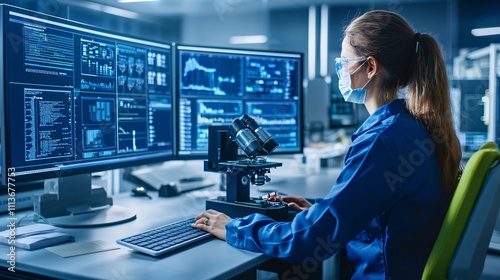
column 162, row 240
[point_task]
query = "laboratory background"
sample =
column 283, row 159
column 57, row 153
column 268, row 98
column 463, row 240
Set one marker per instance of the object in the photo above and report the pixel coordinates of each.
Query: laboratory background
column 114, row 104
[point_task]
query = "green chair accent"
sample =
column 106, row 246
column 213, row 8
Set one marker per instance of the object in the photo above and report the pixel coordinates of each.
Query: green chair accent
column 462, row 205
column 468, row 260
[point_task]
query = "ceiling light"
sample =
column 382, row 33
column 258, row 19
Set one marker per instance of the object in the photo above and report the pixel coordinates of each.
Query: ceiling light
column 133, row 1
column 311, row 43
column 486, row 31
column 250, row 39
column 323, row 42
column 120, row 12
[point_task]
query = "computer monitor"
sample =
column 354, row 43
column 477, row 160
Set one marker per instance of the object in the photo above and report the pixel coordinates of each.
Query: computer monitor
column 75, row 100
column 217, row 85
column 472, row 129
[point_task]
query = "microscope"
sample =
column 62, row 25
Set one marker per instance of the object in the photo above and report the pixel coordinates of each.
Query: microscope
column 253, row 140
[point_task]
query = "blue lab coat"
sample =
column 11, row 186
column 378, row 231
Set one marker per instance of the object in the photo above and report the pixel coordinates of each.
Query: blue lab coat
column 386, row 207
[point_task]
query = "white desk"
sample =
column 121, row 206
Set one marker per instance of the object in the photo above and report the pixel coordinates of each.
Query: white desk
column 212, row 259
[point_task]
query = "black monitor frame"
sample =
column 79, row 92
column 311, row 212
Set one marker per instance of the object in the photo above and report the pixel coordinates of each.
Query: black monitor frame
column 96, row 165
column 203, row 154
column 91, row 82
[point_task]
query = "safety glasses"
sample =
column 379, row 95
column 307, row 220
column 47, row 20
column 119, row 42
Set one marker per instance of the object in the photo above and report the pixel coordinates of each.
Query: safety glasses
column 342, row 65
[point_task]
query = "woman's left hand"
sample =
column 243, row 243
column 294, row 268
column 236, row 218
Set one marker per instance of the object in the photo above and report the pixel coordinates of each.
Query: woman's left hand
column 213, row 222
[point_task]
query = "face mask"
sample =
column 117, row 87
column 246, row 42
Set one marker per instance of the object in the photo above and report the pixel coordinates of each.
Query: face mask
column 357, row 95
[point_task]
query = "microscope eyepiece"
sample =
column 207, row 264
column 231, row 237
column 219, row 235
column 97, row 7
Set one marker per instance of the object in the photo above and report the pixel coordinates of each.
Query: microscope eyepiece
column 245, row 138
column 266, row 140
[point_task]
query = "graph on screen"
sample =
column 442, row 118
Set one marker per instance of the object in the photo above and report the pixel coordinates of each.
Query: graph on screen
column 217, row 86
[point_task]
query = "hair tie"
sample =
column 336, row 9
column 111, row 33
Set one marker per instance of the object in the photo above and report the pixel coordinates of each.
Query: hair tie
column 417, row 41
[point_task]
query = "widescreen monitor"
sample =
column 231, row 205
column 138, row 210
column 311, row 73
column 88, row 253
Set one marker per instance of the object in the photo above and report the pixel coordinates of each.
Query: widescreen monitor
column 77, row 99
column 217, row 85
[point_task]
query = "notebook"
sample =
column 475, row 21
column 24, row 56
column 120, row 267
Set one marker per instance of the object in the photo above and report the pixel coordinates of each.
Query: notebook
column 32, row 237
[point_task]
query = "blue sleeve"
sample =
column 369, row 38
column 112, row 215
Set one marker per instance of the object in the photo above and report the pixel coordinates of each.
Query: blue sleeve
column 367, row 186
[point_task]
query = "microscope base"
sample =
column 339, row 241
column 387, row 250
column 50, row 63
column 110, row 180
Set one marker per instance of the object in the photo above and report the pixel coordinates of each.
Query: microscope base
column 241, row 209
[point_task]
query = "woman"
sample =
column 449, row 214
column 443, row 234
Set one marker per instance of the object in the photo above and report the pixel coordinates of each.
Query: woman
column 388, row 204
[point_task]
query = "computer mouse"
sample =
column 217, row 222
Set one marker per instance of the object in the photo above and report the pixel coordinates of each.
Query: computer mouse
column 168, row 190
column 140, row 191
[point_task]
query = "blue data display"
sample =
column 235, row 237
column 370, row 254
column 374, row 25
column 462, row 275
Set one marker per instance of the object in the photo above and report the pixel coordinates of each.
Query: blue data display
column 217, row 86
column 211, row 75
column 87, row 98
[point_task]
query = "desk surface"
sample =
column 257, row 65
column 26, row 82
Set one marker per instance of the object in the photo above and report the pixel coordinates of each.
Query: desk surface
column 194, row 262
column 210, row 259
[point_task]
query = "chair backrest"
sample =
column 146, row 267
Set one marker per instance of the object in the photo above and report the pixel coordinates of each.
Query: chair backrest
column 461, row 206
column 497, row 227
column 469, row 257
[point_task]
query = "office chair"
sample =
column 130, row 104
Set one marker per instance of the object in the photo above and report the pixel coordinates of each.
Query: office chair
column 468, row 260
column 462, row 243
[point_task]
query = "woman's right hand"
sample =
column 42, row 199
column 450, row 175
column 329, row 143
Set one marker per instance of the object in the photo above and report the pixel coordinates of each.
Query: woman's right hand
column 296, row 202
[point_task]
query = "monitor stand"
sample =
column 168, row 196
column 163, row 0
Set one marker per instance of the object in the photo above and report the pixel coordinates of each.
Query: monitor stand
column 72, row 201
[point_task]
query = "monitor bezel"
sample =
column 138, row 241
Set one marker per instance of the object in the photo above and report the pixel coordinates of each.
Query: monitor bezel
column 242, row 51
column 149, row 157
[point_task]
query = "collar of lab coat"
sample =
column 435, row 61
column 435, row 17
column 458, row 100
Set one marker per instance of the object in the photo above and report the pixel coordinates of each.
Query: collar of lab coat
column 390, row 109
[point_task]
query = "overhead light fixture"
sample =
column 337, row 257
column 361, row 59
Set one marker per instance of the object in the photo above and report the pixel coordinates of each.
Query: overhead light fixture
column 311, row 43
column 104, row 8
column 485, row 31
column 250, row 39
column 323, row 42
column 135, row 1
column 120, row 12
